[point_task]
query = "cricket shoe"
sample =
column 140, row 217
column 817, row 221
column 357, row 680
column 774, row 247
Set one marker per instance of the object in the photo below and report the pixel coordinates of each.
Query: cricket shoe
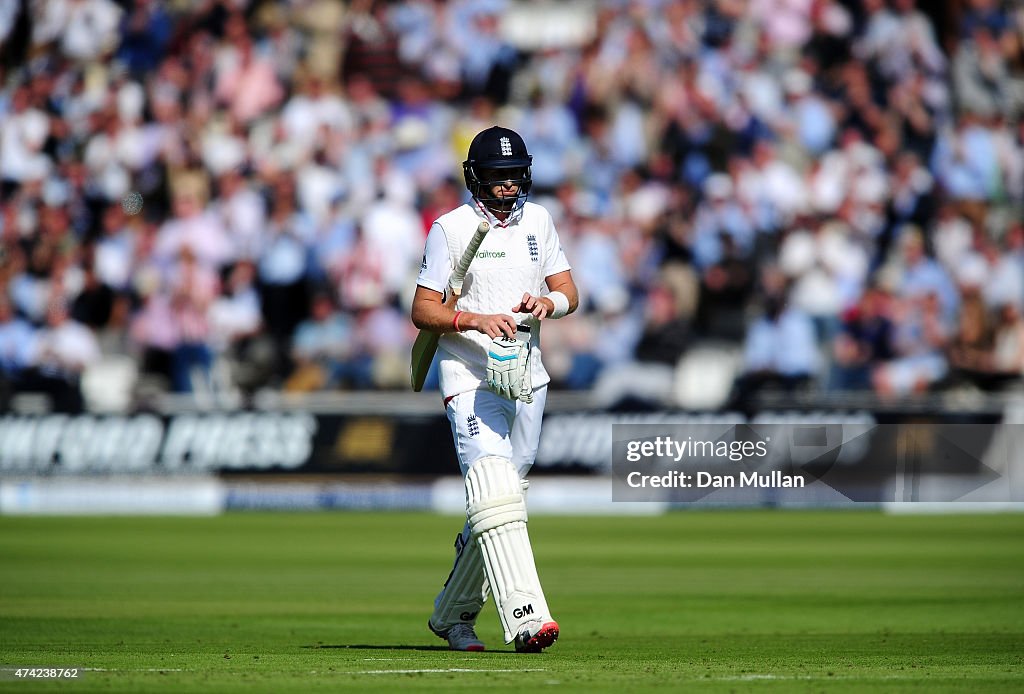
column 530, row 641
column 460, row 637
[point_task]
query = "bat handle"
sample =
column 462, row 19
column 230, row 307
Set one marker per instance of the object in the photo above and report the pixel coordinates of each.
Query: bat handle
column 457, row 278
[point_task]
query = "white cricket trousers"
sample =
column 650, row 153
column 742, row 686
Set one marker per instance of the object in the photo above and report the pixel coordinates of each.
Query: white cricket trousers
column 484, row 423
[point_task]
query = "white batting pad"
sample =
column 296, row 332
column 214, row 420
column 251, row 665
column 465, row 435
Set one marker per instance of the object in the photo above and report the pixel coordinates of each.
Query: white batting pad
column 497, row 515
column 466, row 589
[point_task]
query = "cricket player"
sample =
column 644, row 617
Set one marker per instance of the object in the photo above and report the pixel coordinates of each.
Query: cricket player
column 494, row 384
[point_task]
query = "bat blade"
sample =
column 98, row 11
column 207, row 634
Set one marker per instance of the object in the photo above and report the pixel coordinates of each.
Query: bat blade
column 425, row 346
column 423, row 350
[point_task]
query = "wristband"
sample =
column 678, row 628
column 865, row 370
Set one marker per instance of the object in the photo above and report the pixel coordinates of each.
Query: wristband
column 561, row 302
column 455, row 322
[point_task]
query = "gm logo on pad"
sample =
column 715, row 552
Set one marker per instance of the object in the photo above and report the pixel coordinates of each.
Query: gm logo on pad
column 521, row 612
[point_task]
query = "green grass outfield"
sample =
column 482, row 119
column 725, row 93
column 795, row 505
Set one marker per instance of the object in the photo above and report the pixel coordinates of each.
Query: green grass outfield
column 785, row 601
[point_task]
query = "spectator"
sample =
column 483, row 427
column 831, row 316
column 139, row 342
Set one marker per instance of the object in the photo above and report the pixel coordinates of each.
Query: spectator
column 95, row 300
column 115, row 249
column 911, row 199
column 236, row 326
column 322, row 351
column 193, row 226
column 33, row 285
column 63, row 349
column 985, row 352
column 1008, row 352
column 83, row 29
column 987, row 14
column 970, row 351
column 548, row 125
column 899, row 40
column 154, row 333
column 248, row 86
column 598, row 258
column 371, row 46
column 811, row 115
column 966, row 161
column 666, row 332
column 282, row 269
column 981, row 77
column 145, row 34
column 921, row 275
column 718, row 216
column 383, row 338
column 780, row 349
column 826, row 272
column 920, row 338
column 392, row 229
column 17, row 339
column 315, row 108
column 864, row 340
column 724, row 290
column 15, row 34
column 242, row 212
column 23, row 132
column 193, row 287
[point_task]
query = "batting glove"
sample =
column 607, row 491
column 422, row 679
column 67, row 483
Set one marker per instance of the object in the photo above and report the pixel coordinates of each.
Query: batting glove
column 526, row 381
column 508, row 364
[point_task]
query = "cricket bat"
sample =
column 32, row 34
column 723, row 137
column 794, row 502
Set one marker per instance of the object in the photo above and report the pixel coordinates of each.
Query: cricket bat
column 426, row 342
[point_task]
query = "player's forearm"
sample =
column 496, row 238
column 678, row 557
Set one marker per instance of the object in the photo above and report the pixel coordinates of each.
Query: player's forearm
column 439, row 318
column 434, row 316
column 571, row 295
column 562, row 283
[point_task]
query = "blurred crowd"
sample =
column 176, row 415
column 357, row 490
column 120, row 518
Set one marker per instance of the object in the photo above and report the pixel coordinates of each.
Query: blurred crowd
column 234, row 194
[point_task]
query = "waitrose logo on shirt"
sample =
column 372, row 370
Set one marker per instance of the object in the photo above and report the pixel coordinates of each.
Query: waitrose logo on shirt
column 491, row 254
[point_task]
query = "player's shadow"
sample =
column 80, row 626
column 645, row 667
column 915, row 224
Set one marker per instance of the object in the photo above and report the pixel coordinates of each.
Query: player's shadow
column 380, row 647
column 387, row 647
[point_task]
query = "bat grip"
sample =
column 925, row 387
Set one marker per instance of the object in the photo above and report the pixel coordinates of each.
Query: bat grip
column 459, row 276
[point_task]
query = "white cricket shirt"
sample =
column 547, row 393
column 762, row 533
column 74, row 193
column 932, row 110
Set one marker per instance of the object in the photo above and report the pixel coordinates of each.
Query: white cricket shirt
column 511, row 260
